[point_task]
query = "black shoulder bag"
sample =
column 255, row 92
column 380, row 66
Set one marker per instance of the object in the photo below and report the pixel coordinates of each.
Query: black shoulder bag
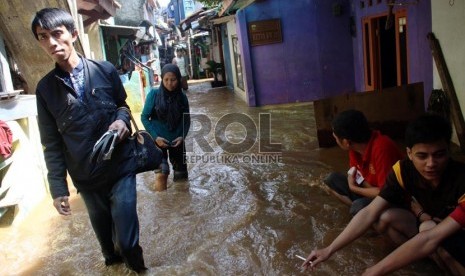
column 147, row 156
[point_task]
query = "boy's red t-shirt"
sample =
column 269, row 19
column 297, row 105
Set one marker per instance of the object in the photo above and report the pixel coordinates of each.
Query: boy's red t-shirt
column 379, row 157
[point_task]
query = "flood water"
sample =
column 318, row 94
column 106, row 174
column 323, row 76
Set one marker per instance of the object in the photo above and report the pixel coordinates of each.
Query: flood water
column 239, row 216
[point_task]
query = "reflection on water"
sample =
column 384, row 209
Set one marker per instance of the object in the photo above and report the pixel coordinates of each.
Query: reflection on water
column 232, row 217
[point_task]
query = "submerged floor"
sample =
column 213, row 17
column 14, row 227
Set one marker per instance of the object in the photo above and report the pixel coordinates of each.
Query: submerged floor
column 242, row 213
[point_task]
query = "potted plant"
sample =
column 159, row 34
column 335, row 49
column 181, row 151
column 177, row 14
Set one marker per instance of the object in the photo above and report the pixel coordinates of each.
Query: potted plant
column 216, row 69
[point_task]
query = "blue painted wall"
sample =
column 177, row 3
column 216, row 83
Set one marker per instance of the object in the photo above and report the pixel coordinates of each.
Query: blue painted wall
column 178, row 10
column 318, row 57
column 315, row 59
column 421, row 60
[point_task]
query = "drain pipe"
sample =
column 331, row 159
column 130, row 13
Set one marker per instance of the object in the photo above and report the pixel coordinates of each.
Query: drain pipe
column 191, row 69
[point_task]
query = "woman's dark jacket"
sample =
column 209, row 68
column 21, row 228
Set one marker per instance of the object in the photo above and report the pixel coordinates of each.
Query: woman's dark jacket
column 69, row 127
column 160, row 128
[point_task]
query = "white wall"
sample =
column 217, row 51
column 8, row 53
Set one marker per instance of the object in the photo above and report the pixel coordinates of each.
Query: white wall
column 448, row 21
column 95, row 44
column 231, row 25
column 5, row 76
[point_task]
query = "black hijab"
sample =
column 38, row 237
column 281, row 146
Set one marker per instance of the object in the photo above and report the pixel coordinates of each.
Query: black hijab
column 168, row 104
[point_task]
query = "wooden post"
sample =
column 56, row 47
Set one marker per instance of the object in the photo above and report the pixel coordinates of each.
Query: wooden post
column 448, row 87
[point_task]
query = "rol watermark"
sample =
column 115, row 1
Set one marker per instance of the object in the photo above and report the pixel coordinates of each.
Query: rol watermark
column 232, row 138
column 225, row 158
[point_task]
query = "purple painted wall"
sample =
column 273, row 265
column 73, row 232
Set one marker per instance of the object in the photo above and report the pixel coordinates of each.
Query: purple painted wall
column 419, row 54
column 421, row 60
column 318, row 57
column 314, row 61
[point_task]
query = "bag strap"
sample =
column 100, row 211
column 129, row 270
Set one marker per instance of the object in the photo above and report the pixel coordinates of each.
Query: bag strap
column 130, row 115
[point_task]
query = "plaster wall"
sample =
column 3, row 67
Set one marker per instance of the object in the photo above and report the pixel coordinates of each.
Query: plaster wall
column 215, row 52
column 131, row 13
column 231, row 26
column 227, row 57
column 6, row 85
column 447, row 20
column 95, row 43
column 15, row 27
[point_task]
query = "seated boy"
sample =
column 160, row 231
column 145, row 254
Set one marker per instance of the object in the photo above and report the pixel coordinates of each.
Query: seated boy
column 371, row 156
column 435, row 182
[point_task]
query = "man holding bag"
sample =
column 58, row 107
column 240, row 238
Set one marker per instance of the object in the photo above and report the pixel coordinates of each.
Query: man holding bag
column 77, row 102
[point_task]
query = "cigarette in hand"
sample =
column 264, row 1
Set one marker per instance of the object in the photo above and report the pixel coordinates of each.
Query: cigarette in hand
column 303, row 259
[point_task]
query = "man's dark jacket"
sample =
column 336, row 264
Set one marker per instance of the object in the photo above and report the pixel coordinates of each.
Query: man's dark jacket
column 69, row 126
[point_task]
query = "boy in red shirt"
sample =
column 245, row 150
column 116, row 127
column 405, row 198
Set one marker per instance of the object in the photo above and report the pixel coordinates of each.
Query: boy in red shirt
column 371, row 156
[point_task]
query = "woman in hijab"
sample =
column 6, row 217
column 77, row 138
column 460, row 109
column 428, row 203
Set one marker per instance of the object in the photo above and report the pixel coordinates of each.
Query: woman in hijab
column 166, row 117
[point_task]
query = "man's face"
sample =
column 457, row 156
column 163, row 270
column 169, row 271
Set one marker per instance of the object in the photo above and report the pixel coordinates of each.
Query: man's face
column 57, row 43
column 430, row 159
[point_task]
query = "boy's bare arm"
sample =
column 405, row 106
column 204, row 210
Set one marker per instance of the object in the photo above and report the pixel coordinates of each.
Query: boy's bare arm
column 418, row 247
column 356, row 227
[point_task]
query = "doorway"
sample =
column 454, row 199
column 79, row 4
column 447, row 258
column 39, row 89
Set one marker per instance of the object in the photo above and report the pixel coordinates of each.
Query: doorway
column 385, row 51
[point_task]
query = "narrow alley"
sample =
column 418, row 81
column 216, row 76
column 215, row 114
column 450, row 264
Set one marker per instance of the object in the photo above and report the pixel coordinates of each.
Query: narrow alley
column 233, row 216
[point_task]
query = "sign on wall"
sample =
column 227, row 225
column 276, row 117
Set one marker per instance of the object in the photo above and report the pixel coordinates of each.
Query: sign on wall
column 265, row 32
column 189, row 7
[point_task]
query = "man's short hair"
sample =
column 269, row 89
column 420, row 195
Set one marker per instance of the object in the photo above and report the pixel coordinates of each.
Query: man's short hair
column 51, row 18
column 428, row 128
column 352, row 125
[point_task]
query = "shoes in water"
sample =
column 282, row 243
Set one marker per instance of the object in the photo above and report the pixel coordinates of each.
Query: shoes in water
column 179, row 176
column 116, row 259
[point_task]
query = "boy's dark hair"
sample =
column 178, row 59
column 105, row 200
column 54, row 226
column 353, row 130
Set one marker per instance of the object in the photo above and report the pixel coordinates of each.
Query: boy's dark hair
column 352, row 125
column 428, row 128
column 51, row 18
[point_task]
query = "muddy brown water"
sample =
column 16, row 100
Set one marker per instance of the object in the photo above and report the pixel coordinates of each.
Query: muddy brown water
column 240, row 216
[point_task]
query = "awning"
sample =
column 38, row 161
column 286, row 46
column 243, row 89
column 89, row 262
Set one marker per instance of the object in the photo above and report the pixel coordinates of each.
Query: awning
column 222, row 20
column 233, row 5
column 200, row 34
column 142, row 34
column 185, row 24
column 93, row 10
column 227, row 4
column 120, row 30
column 162, row 26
